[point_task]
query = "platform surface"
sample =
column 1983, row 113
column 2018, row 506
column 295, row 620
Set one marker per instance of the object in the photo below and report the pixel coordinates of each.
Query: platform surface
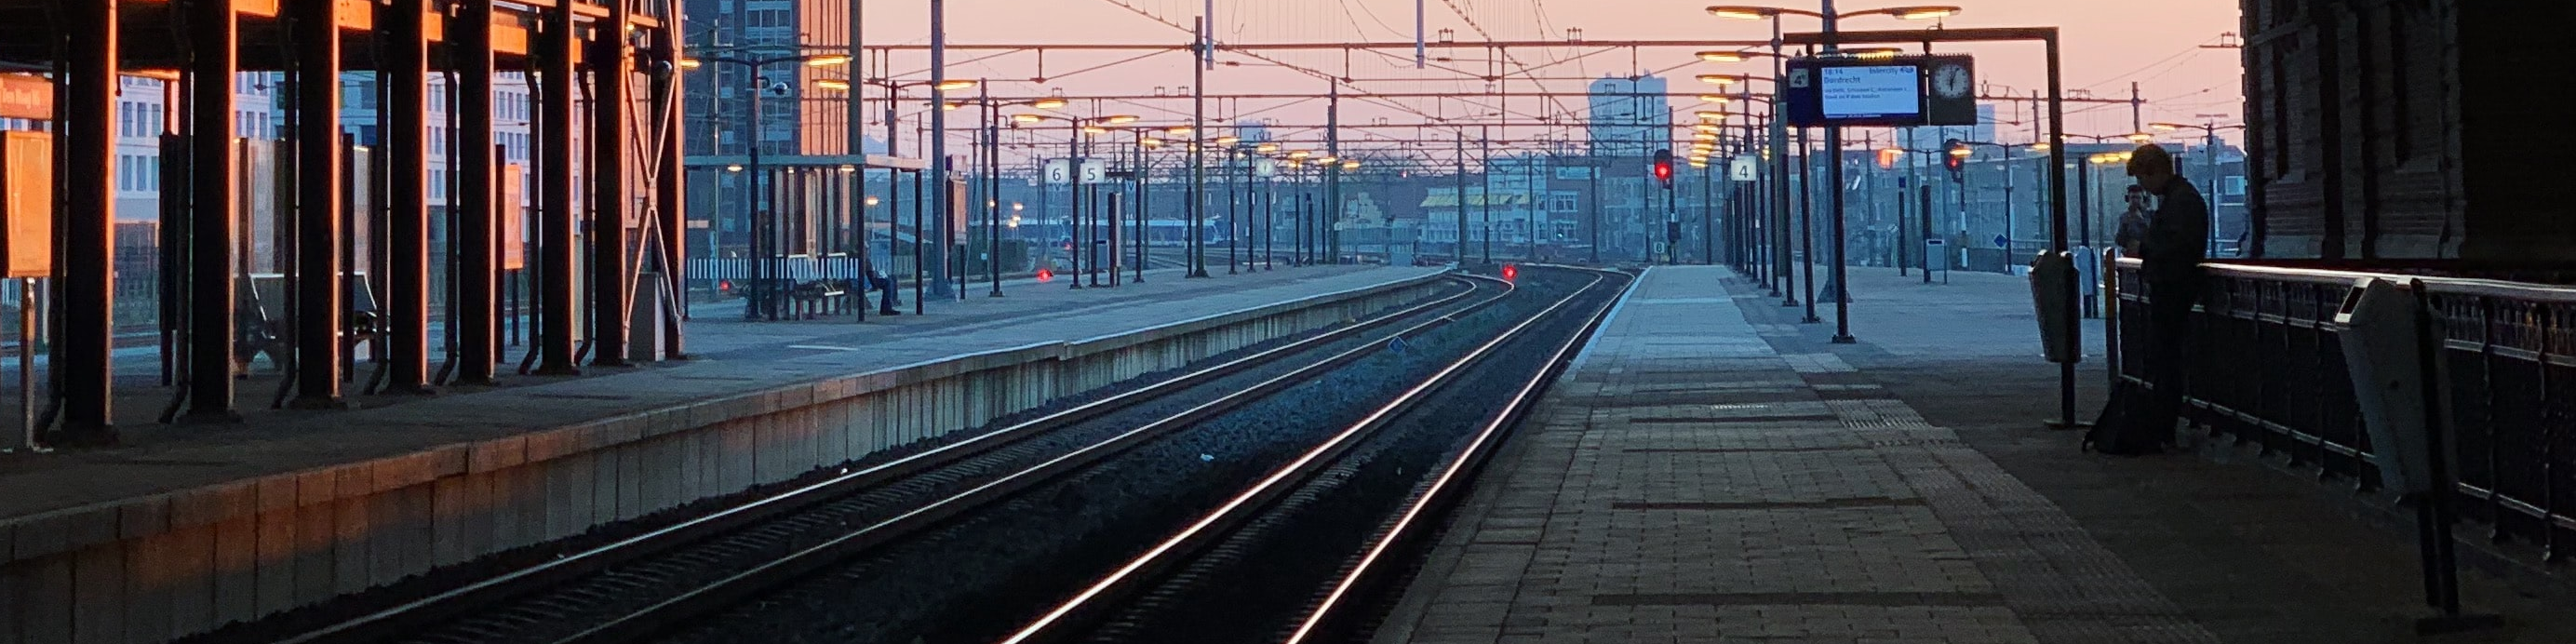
column 729, row 356
column 1712, row 470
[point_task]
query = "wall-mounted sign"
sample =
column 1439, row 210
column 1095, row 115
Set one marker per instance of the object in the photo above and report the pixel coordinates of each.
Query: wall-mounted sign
column 26, row 97
column 1905, row 91
column 513, row 216
column 27, row 212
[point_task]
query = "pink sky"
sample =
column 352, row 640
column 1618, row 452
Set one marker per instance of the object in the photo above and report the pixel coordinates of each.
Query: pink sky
column 2107, row 47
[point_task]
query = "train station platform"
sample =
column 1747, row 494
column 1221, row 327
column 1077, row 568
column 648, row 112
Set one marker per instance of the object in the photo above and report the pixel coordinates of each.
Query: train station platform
column 1712, row 470
column 189, row 527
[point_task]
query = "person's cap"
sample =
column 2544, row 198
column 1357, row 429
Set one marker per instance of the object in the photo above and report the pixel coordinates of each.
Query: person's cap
column 2149, row 155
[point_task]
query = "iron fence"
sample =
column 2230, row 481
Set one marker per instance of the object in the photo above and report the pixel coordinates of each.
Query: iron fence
column 2267, row 369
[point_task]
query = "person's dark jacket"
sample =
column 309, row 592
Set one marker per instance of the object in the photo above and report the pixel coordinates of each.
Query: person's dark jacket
column 2178, row 234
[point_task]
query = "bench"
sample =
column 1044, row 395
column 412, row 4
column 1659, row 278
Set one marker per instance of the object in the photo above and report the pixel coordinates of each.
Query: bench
column 261, row 322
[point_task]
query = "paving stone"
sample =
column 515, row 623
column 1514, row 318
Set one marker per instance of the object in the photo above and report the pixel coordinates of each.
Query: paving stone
column 1685, row 482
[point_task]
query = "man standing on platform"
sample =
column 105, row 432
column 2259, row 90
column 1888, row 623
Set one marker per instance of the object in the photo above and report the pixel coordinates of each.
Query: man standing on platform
column 2175, row 243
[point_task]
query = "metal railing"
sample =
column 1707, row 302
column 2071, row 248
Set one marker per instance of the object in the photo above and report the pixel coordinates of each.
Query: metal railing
column 2267, row 369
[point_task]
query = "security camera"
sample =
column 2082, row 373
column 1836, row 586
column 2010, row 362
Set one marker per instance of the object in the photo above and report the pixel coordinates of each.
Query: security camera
column 778, row 89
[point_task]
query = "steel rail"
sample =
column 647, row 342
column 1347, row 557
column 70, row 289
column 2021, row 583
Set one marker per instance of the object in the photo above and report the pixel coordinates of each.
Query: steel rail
column 1450, row 485
column 732, row 589
column 1069, row 618
column 403, row 617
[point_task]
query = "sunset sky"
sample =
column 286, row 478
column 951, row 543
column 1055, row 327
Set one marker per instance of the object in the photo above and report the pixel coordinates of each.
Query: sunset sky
column 2108, row 45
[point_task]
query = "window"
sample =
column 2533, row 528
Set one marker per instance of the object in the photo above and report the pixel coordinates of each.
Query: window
column 2232, row 186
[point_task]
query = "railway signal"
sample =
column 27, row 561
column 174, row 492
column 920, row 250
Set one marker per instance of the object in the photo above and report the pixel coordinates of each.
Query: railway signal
column 1957, row 158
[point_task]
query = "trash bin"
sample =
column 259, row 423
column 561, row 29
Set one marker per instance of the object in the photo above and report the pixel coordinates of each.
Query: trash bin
column 2383, row 356
column 2052, row 281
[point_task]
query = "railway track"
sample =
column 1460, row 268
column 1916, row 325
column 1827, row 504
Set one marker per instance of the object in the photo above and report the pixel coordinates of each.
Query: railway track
column 655, row 582
column 1327, row 535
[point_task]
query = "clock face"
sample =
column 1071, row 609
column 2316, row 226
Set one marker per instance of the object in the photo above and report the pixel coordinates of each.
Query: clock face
column 1951, row 81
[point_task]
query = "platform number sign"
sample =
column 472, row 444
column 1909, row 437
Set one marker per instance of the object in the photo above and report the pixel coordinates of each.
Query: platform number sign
column 1088, row 171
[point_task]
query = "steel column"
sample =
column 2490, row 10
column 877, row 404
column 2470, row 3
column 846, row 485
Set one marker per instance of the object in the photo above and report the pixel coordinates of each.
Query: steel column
column 940, row 168
column 318, row 191
column 555, row 236
column 1233, row 213
column 1331, row 226
column 210, row 224
column 1197, row 253
column 2057, row 241
column 86, row 288
column 610, row 59
column 476, row 214
column 405, row 72
column 670, row 205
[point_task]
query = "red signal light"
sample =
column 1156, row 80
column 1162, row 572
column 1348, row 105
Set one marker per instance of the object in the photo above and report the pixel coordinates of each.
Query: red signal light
column 1045, row 275
column 1511, row 272
column 1664, row 167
